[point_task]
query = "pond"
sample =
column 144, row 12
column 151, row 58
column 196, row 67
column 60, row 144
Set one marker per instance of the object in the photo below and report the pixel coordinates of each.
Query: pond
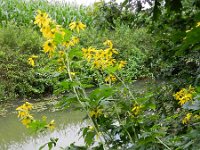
column 14, row 136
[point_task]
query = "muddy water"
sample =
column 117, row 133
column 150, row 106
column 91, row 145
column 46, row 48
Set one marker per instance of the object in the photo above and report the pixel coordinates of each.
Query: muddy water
column 14, row 136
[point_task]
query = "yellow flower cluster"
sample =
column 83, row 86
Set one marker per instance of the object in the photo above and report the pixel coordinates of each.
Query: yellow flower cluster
column 77, row 26
column 184, row 95
column 187, row 118
column 31, row 60
column 96, row 112
column 50, row 29
column 26, row 118
column 24, row 115
column 136, row 110
column 102, row 59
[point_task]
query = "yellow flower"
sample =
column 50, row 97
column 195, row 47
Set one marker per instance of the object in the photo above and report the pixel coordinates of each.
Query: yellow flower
column 42, row 19
column 122, row 64
column 187, row 118
column 27, row 120
column 49, row 47
column 31, row 60
column 110, row 78
column 51, row 125
column 77, row 26
column 72, row 73
column 46, row 31
column 184, row 95
column 108, row 43
column 198, row 24
column 96, row 112
column 62, row 68
column 75, row 40
column 22, row 114
column 26, row 106
column 136, row 110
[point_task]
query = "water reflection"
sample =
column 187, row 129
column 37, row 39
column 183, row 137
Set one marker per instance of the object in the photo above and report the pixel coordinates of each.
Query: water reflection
column 14, row 136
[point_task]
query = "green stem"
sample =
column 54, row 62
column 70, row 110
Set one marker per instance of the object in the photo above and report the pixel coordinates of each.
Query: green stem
column 163, row 143
column 83, row 106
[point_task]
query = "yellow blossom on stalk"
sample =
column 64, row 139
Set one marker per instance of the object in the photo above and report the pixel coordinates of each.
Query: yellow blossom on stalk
column 31, row 60
column 136, row 109
column 75, row 40
column 77, row 26
column 187, row 118
column 184, row 95
column 96, row 112
column 110, row 78
column 49, row 47
column 27, row 120
column 46, row 31
column 198, row 24
column 122, row 64
column 108, row 43
column 72, row 74
column 69, row 43
column 88, row 53
column 42, row 19
column 26, row 106
column 22, row 114
column 51, row 125
column 61, row 68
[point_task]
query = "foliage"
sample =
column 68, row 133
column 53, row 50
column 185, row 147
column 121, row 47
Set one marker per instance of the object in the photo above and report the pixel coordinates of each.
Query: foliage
column 22, row 12
column 134, row 47
column 106, row 15
column 17, row 78
column 162, row 117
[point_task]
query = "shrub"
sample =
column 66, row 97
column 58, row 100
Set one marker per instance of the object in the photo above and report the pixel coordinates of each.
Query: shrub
column 133, row 45
column 17, row 78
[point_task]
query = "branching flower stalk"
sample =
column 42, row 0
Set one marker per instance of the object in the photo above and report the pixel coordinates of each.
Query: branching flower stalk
column 83, row 106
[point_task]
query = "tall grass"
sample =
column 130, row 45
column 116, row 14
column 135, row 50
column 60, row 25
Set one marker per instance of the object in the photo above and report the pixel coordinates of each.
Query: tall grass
column 22, row 11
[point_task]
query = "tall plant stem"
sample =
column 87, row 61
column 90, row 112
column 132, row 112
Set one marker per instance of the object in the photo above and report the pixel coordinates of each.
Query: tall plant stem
column 78, row 98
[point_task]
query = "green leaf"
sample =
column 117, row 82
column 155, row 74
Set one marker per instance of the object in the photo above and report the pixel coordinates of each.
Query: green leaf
column 58, row 38
column 89, row 138
column 68, row 35
column 101, row 93
column 67, row 85
column 75, row 53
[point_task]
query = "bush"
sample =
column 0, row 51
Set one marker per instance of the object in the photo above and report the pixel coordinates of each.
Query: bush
column 17, row 78
column 133, row 46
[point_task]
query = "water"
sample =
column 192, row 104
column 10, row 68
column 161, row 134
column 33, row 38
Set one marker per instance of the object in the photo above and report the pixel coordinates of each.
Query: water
column 14, row 136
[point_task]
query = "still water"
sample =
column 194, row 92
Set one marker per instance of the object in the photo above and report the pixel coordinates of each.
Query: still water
column 14, row 136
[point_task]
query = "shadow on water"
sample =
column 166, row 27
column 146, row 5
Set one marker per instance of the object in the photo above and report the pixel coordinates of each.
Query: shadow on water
column 14, row 136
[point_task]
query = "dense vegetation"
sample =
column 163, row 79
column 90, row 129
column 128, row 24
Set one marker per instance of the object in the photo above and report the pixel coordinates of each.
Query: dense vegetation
column 91, row 56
